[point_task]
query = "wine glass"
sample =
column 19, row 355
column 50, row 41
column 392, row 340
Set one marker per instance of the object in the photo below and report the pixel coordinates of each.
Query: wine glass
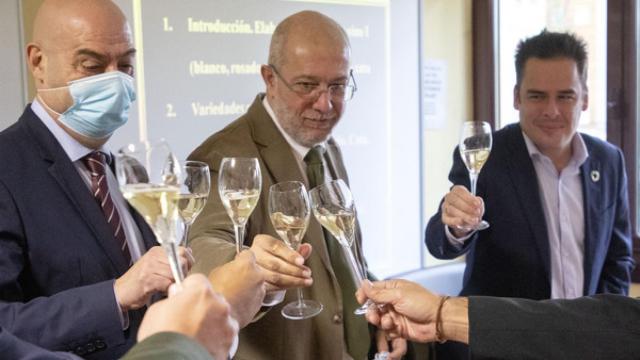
column 475, row 146
column 148, row 177
column 195, row 183
column 333, row 206
column 239, row 184
column 289, row 210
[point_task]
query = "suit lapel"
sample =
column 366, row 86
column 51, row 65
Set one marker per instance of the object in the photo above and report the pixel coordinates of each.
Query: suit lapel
column 70, row 182
column 592, row 191
column 280, row 164
column 524, row 178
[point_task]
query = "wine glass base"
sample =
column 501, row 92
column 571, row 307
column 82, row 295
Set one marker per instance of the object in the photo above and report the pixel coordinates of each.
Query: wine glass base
column 482, row 225
column 364, row 307
column 361, row 310
column 297, row 311
column 273, row 298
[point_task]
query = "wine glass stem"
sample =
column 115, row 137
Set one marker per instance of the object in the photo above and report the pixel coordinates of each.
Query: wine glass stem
column 174, row 261
column 300, row 297
column 473, row 177
column 239, row 229
column 354, row 266
column 185, row 235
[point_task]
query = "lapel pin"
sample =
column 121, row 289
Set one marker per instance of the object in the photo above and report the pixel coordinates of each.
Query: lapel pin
column 595, row 175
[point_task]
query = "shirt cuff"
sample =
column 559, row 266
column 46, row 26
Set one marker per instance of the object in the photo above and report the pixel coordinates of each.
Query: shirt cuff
column 234, row 347
column 124, row 315
column 455, row 241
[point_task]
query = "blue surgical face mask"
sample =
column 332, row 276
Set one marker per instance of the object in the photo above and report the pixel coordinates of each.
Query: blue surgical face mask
column 100, row 104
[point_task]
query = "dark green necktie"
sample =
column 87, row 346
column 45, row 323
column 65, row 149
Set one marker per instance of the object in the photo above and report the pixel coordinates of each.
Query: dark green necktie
column 355, row 327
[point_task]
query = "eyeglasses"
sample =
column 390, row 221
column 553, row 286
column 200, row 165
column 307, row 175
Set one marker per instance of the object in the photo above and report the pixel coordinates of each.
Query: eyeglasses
column 312, row 90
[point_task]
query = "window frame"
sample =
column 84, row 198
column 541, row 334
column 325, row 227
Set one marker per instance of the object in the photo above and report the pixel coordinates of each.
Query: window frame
column 622, row 85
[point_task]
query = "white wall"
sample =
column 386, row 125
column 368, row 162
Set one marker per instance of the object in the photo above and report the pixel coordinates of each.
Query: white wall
column 12, row 93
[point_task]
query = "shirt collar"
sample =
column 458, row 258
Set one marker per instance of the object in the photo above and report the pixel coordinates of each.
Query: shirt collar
column 578, row 147
column 297, row 147
column 74, row 150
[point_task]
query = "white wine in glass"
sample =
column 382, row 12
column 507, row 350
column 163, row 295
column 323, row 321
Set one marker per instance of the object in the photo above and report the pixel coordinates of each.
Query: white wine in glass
column 289, row 209
column 333, row 206
column 239, row 185
column 341, row 224
column 194, row 182
column 147, row 176
column 475, row 147
column 190, row 206
column 240, row 204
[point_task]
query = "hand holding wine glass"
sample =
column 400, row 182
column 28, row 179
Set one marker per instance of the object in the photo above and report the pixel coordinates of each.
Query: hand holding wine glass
column 333, row 206
column 148, row 175
column 475, row 146
column 289, row 209
column 195, row 183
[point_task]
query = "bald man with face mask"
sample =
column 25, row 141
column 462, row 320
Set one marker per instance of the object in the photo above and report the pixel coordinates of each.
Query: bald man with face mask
column 78, row 266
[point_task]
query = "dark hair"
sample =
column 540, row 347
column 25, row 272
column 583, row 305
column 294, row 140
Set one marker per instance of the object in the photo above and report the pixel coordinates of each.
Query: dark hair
column 549, row 45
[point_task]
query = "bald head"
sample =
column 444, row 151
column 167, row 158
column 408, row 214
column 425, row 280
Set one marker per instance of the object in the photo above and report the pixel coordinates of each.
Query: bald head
column 59, row 19
column 306, row 31
column 77, row 38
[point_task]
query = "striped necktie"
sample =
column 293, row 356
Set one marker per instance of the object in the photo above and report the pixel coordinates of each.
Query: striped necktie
column 96, row 164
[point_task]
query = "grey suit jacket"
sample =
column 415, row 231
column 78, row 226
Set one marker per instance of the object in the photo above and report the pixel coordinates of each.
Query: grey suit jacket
column 594, row 327
column 168, row 346
column 212, row 240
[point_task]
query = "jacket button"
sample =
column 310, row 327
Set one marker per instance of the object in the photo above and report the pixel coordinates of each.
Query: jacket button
column 337, row 319
column 100, row 344
column 90, row 347
column 80, row 351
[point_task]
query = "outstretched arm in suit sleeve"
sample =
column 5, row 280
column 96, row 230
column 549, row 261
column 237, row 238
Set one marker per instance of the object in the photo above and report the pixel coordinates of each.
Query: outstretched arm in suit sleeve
column 62, row 321
column 438, row 242
column 596, row 327
column 618, row 264
column 13, row 348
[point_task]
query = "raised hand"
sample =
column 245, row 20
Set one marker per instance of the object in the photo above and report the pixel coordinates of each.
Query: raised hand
column 241, row 281
column 149, row 275
column 195, row 310
column 461, row 210
column 283, row 268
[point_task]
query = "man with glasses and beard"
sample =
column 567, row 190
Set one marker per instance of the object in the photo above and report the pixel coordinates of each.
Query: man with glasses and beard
column 308, row 82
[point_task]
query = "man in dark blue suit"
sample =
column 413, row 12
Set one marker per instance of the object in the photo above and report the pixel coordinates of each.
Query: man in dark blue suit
column 556, row 200
column 193, row 323
column 77, row 264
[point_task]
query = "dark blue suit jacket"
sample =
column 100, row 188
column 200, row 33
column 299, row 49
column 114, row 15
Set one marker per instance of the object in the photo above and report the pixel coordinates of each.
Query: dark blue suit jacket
column 160, row 346
column 58, row 257
column 13, row 348
column 511, row 258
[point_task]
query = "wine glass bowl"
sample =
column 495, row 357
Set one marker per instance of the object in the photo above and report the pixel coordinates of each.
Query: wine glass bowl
column 289, row 211
column 335, row 210
column 475, row 147
column 147, row 176
column 195, row 184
